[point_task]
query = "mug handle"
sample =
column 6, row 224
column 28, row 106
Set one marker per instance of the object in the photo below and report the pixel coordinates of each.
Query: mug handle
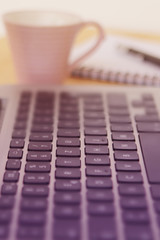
column 101, row 36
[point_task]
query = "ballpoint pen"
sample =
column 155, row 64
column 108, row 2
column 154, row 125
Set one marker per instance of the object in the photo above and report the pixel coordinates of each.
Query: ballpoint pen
column 145, row 56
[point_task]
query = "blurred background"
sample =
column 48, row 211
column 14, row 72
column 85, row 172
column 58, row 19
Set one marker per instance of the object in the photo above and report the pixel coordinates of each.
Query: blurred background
column 142, row 16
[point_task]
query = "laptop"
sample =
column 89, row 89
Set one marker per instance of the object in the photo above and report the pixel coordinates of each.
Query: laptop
column 79, row 163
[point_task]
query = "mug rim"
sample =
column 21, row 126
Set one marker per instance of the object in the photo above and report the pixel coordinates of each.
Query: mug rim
column 7, row 15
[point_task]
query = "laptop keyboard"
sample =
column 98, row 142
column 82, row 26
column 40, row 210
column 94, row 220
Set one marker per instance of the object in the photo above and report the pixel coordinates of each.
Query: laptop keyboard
column 82, row 166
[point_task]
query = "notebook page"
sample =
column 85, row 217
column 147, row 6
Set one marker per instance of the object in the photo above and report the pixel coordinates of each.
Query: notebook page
column 110, row 57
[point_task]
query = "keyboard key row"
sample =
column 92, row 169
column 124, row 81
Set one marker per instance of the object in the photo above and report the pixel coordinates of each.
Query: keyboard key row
column 13, row 165
column 129, row 177
column 33, row 203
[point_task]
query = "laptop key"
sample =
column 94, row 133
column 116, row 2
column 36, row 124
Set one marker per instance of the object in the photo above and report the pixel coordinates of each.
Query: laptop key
column 147, row 97
column 9, row 189
column 47, row 128
column 11, row 176
column 68, row 173
column 23, row 108
column 102, row 228
column 138, row 217
column 95, row 131
column 120, row 119
column 32, row 218
column 68, row 152
column 71, row 229
column 67, row 198
column 41, row 112
column 38, row 178
column 15, row 154
column 97, row 160
column 35, row 191
column 124, row 145
column 96, row 140
column 151, row 150
column 6, row 202
column 41, row 137
column 68, row 116
column 100, row 209
column 69, row 102
column 99, row 195
column 123, row 136
column 68, row 142
column 13, row 164
column 4, row 231
column 17, row 143
column 39, row 156
column 34, row 204
column 148, row 127
column 68, row 162
column 94, row 115
column 68, row 212
column 151, row 110
column 68, row 133
column 129, row 177
column 94, row 123
column 128, row 166
column 116, row 127
column 99, row 171
column 138, row 232
column 98, row 182
column 69, row 109
column 42, row 120
column 5, row 216
column 40, row 146
column 22, row 116
column 126, row 156
column 67, row 185
column 133, row 203
column 68, row 124
column 147, row 118
column 117, row 100
column 131, row 189
column 19, row 134
column 37, row 167
column 119, row 112
column 97, row 150
column 90, row 107
column 30, row 232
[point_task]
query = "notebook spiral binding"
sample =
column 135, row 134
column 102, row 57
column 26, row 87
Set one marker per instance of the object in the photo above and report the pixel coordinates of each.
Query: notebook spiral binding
column 116, row 76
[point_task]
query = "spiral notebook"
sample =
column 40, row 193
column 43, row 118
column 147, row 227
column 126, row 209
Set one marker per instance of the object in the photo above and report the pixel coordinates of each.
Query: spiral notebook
column 111, row 63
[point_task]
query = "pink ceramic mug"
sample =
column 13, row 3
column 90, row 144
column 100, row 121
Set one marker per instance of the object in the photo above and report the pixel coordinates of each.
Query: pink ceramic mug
column 41, row 42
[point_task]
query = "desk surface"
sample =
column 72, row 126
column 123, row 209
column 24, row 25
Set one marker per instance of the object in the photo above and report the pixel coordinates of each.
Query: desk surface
column 7, row 72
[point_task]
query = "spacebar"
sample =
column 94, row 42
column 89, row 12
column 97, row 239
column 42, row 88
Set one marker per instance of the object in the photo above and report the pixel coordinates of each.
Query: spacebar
column 150, row 144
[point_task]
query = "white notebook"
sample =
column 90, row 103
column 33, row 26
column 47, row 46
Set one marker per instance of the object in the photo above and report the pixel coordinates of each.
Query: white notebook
column 111, row 63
